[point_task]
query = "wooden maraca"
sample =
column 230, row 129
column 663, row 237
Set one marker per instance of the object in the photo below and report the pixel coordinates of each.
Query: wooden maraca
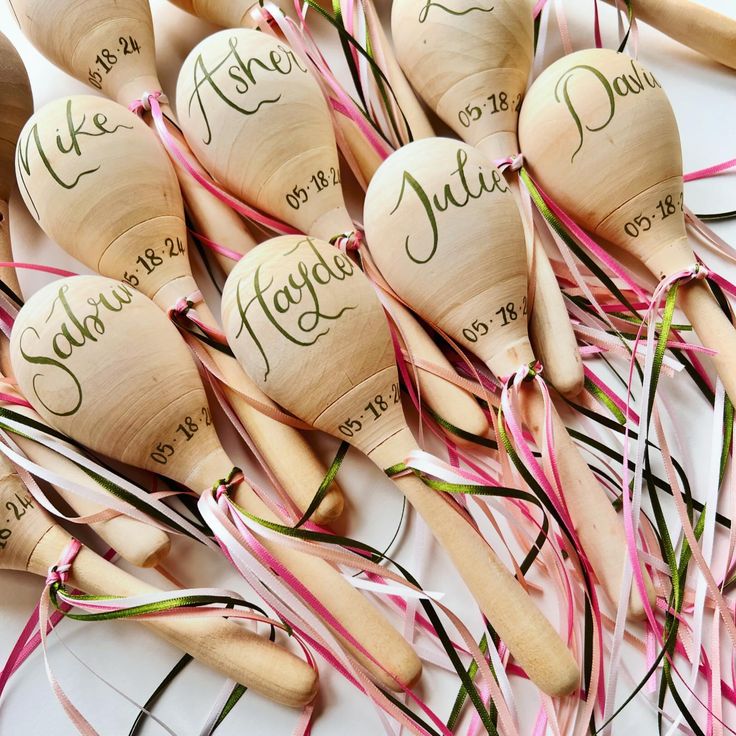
column 31, row 541
column 692, row 24
column 448, row 238
column 101, row 363
column 130, row 225
column 265, row 133
column 471, row 65
column 616, row 167
column 140, row 544
column 306, row 324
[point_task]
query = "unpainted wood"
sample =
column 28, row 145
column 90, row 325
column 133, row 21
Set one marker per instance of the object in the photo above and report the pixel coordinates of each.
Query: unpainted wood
column 307, row 325
column 448, row 238
column 225, row 13
column 35, row 544
column 616, row 167
column 131, row 390
column 130, row 225
column 702, row 29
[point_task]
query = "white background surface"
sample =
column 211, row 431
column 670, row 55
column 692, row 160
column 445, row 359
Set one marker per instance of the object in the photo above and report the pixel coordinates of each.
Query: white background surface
column 704, row 98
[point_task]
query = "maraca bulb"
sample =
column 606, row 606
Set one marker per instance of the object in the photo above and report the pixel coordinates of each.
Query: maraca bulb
column 16, row 106
column 306, row 325
column 104, row 365
column 102, row 186
column 257, row 120
column 225, row 13
column 600, row 137
column 109, row 45
column 446, row 234
column 470, row 61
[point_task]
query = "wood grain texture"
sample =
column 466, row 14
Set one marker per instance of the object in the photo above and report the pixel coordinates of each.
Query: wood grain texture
column 293, row 310
column 692, row 24
column 294, row 172
column 129, row 389
column 616, row 167
column 36, row 543
column 448, row 238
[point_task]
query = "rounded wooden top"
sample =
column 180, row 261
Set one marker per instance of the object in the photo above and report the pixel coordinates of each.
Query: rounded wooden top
column 445, row 231
column 256, row 118
column 306, row 325
column 470, row 61
column 599, row 135
column 103, row 364
column 225, row 13
column 16, row 106
column 101, row 185
column 109, row 45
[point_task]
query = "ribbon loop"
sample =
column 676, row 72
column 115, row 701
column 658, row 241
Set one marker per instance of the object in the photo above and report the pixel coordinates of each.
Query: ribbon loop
column 143, row 104
column 346, row 242
column 524, row 374
column 223, row 486
column 58, row 574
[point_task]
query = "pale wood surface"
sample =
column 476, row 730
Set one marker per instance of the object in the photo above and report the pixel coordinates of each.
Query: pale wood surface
column 691, row 23
column 605, row 111
column 147, row 419
column 462, row 267
column 36, row 544
column 276, row 349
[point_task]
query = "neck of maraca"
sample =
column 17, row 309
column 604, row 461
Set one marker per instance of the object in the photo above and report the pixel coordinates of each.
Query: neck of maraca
column 394, row 449
column 670, row 257
column 512, row 358
column 134, row 89
column 209, row 468
column 500, row 145
column 331, row 223
column 170, row 293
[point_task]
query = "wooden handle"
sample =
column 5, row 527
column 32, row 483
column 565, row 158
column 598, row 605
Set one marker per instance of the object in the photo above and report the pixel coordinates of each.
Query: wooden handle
column 713, row 329
column 598, row 526
column 549, row 327
column 452, row 403
column 702, row 29
column 8, row 275
column 364, row 622
column 249, row 659
column 512, row 613
column 138, row 543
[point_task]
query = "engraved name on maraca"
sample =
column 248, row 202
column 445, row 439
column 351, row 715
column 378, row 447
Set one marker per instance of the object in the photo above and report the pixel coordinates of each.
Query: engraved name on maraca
column 74, row 332
column 68, row 142
column 241, row 78
column 300, row 291
column 620, row 86
column 463, row 187
column 424, row 12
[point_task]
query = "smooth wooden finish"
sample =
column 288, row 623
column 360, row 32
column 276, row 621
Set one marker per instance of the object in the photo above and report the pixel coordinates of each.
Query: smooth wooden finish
column 130, row 225
column 702, row 29
column 221, row 118
column 471, row 66
column 307, row 326
column 225, row 13
column 616, row 167
column 35, row 544
column 129, row 388
column 448, row 238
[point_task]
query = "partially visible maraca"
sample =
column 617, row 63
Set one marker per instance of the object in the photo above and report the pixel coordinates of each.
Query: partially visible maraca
column 263, row 131
column 100, row 362
column 599, row 136
column 32, row 541
column 306, row 324
column 129, row 224
column 447, row 236
column 471, row 65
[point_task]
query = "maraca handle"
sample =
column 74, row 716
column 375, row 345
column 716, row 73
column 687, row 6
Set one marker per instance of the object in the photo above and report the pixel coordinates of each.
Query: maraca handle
column 251, row 660
column 8, row 275
column 452, row 403
column 530, row 637
column 702, row 29
column 595, row 520
column 140, row 544
column 551, row 331
column 713, row 329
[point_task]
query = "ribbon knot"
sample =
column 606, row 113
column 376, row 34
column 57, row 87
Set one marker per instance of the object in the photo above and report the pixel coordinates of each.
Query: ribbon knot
column 348, row 241
column 58, row 574
column 184, row 304
column 699, row 272
column 144, row 103
column 512, row 163
column 222, row 487
column 525, row 373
